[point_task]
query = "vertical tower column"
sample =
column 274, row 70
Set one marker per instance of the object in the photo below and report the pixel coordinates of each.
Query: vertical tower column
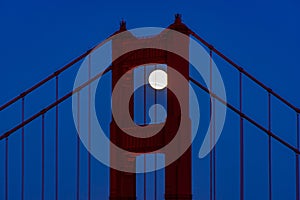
column 178, row 174
column 122, row 184
column 178, row 185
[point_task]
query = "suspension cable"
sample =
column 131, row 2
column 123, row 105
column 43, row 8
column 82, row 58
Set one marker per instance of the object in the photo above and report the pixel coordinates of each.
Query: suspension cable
column 197, row 37
column 57, row 102
column 248, row 118
column 231, row 107
column 42, row 82
column 247, row 74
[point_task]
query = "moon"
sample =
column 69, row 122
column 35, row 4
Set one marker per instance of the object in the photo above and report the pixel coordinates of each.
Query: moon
column 158, row 79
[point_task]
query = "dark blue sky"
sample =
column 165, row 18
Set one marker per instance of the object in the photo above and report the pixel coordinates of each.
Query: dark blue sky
column 39, row 37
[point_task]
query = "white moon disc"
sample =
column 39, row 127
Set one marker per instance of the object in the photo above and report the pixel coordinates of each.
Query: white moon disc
column 158, row 79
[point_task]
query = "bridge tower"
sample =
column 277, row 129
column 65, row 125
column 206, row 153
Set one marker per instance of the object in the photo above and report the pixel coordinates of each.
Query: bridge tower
column 178, row 174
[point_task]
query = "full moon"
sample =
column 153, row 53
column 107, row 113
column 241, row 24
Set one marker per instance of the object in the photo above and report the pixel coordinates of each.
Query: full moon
column 158, row 79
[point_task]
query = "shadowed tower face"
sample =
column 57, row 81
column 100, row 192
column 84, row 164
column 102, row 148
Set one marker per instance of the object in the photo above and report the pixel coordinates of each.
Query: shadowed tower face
column 178, row 173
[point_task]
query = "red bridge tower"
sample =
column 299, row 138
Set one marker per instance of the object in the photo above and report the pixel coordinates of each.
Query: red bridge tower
column 178, row 174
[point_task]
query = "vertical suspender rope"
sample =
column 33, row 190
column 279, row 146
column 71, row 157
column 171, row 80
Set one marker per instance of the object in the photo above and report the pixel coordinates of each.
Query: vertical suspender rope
column 56, row 139
column 241, row 139
column 214, row 150
column 212, row 134
column 145, row 91
column 155, row 176
column 145, row 189
column 297, row 158
column 211, row 130
column 43, row 158
column 269, row 147
column 23, row 149
column 89, row 129
column 78, row 148
column 155, row 157
column 6, row 168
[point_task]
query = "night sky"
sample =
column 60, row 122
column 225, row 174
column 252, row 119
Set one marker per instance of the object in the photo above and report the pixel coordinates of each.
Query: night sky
column 39, row 37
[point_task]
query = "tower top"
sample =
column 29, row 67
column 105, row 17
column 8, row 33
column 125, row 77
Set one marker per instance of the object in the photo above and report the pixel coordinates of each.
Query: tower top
column 178, row 18
column 178, row 25
column 123, row 25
